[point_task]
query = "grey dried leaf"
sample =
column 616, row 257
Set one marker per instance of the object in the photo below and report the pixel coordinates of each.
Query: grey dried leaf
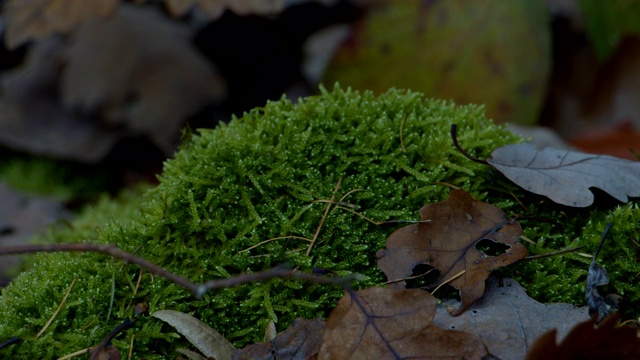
column 566, row 176
column 508, row 321
column 208, row 341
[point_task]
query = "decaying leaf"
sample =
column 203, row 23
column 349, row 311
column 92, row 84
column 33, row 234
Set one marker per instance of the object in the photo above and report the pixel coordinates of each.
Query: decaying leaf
column 379, row 323
column 213, row 9
column 137, row 54
column 302, row 340
column 597, row 276
column 208, row 341
column 108, row 352
column 508, row 321
column 21, row 217
column 566, row 176
column 446, row 240
column 586, row 342
column 28, row 19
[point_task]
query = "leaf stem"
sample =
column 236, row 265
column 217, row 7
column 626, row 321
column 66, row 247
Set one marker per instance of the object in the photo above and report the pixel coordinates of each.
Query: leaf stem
column 454, row 137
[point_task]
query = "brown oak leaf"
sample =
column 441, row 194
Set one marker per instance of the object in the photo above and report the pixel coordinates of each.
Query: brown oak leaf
column 586, row 342
column 378, row 323
column 447, row 239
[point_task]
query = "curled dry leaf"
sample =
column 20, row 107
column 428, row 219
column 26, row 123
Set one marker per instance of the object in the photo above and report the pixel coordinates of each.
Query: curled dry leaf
column 447, row 241
column 208, row 341
column 379, row 323
column 585, row 341
column 597, row 276
column 27, row 19
column 566, row 176
column 302, row 340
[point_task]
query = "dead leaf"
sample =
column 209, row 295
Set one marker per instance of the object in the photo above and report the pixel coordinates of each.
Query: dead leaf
column 448, row 243
column 508, row 321
column 566, row 176
column 586, row 342
column 108, row 352
column 597, row 276
column 139, row 54
column 21, row 217
column 379, row 323
column 302, row 340
column 208, row 341
column 213, row 9
column 33, row 120
column 31, row 20
column 191, row 355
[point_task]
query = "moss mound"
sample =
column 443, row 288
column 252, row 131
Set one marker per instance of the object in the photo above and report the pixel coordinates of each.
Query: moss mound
column 268, row 175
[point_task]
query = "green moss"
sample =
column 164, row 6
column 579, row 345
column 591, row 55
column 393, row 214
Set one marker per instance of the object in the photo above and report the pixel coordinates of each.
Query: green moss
column 59, row 179
column 261, row 177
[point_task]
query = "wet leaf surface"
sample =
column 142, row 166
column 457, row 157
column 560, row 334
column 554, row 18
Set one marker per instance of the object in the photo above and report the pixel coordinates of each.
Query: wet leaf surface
column 447, row 241
column 566, row 176
column 508, row 321
column 379, row 323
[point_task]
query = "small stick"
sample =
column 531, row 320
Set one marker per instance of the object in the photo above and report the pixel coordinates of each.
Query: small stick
column 55, row 313
column 324, row 217
column 559, row 252
column 126, row 324
column 404, row 150
column 198, row 290
column 11, row 341
column 454, row 137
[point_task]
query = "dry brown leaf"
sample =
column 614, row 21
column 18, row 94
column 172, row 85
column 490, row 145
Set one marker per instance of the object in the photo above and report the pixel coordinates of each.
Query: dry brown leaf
column 585, row 342
column 447, row 241
column 379, row 323
column 302, row 340
column 108, row 352
column 138, row 54
column 566, row 176
column 28, row 19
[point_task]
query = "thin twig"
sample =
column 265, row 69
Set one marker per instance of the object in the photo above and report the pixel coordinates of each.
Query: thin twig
column 559, row 252
column 276, row 238
column 449, row 280
column 55, row 313
column 11, row 341
column 267, row 275
column 76, row 353
column 198, row 290
column 126, row 324
column 454, row 137
column 404, row 150
column 324, row 217
column 109, row 249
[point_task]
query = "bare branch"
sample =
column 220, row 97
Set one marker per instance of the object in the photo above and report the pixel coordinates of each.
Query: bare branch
column 198, row 290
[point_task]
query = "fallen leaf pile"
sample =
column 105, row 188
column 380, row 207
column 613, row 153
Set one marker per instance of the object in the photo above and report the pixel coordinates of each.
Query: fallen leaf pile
column 446, row 239
column 132, row 73
column 33, row 20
